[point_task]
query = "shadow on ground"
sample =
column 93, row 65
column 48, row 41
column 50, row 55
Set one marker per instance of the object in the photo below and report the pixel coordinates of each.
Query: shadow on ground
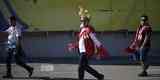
column 46, row 78
column 154, row 75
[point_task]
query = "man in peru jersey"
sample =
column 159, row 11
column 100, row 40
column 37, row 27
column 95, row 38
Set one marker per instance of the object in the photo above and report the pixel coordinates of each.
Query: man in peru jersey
column 88, row 45
column 141, row 44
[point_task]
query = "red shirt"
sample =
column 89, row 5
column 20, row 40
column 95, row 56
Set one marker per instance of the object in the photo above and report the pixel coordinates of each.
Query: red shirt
column 147, row 32
column 142, row 32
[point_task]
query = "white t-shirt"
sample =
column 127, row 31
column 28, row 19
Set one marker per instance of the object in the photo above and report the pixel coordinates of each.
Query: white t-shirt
column 14, row 33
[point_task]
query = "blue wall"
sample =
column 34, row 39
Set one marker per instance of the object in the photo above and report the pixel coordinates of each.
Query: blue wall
column 41, row 46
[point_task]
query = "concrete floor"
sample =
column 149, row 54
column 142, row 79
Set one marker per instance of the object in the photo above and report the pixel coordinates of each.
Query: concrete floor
column 46, row 71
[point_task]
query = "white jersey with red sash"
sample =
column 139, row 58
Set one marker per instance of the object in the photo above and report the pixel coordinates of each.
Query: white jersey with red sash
column 89, row 44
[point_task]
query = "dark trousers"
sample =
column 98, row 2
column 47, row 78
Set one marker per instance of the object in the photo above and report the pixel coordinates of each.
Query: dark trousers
column 142, row 56
column 19, row 58
column 83, row 65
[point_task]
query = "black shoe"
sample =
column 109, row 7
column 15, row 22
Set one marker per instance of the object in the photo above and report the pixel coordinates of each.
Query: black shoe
column 31, row 72
column 143, row 74
column 101, row 77
column 8, row 76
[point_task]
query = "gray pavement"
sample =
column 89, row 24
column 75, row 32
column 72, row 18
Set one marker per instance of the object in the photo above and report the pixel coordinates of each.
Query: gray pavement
column 46, row 71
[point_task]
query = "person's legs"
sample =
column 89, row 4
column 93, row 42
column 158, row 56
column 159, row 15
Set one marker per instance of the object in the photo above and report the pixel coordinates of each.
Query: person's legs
column 144, row 62
column 94, row 72
column 82, row 64
column 8, row 63
column 20, row 60
column 134, row 57
column 137, row 56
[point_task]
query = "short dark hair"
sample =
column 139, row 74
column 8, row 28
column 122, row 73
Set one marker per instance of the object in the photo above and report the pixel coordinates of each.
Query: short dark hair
column 12, row 18
column 144, row 17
